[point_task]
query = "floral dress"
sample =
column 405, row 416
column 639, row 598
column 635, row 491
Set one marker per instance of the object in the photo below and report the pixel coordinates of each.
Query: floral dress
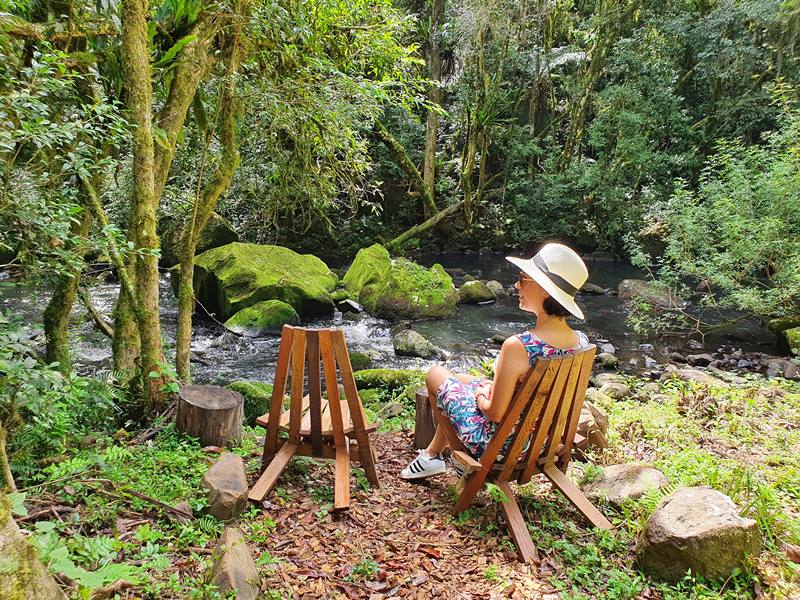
column 456, row 399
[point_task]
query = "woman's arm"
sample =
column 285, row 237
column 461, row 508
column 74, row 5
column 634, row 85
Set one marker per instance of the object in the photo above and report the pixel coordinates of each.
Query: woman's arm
column 511, row 365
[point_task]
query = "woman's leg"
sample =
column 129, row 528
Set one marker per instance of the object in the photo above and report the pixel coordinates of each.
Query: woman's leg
column 437, row 375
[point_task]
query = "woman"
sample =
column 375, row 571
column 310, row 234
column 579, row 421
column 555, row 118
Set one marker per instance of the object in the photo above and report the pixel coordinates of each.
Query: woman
column 547, row 286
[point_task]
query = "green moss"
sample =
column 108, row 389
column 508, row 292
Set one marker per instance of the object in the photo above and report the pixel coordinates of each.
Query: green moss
column 793, row 337
column 340, row 295
column 263, row 318
column 360, row 360
column 371, row 397
column 474, row 292
column 236, row 276
column 388, row 379
column 257, row 398
column 396, row 289
column 783, row 323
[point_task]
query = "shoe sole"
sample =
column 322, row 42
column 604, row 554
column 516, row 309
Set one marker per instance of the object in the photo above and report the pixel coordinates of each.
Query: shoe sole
column 424, row 474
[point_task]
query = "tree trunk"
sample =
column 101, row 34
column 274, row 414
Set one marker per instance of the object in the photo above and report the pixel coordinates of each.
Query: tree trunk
column 434, row 97
column 423, row 227
column 5, row 467
column 205, row 203
column 56, row 315
column 400, row 157
column 210, row 413
column 98, row 319
column 138, row 84
column 469, row 167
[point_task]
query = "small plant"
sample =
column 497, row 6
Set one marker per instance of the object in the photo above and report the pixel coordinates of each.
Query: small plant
column 364, row 570
column 491, row 573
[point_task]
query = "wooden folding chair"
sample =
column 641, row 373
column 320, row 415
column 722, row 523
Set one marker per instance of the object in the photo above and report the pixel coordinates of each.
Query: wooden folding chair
column 315, row 426
column 546, row 407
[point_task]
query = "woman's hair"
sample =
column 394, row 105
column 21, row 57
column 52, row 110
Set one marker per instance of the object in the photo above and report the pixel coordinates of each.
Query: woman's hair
column 553, row 308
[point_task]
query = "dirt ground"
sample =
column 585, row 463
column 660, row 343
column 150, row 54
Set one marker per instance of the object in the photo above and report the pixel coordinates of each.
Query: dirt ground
column 396, row 541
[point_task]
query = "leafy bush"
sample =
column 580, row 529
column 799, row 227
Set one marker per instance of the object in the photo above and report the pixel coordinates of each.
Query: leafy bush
column 739, row 233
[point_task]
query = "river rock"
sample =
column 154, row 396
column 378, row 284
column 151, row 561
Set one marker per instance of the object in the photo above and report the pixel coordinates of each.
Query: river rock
column 226, row 483
column 648, row 292
column 496, row 288
column 400, row 288
column 591, row 288
column 22, row 575
column 606, row 360
column 600, row 379
column 625, row 482
column 691, row 375
column 598, row 398
column 234, row 569
column 236, row 276
column 699, row 360
column 648, row 390
column 475, row 292
column 608, row 347
column 696, row 528
column 218, row 232
column 616, row 390
column 387, row 379
column 263, row 318
column 412, row 343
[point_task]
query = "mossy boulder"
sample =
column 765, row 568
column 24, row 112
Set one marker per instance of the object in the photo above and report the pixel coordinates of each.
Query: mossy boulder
column 399, row 288
column 257, row 398
column 340, row 295
column 654, row 294
column 218, row 232
column 783, row 323
column 388, row 379
column 412, row 343
column 236, row 276
column 475, row 292
column 360, row 360
column 793, row 337
column 22, row 575
column 260, row 319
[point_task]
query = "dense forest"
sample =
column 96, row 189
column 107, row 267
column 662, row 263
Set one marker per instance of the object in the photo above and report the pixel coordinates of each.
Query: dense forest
column 136, row 137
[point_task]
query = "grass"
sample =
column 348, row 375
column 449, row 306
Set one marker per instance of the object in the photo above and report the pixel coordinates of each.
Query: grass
column 741, row 441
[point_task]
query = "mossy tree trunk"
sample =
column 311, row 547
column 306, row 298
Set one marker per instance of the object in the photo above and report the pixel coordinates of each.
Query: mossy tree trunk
column 434, row 97
column 5, row 467
column 206, row 201
column 56, row 315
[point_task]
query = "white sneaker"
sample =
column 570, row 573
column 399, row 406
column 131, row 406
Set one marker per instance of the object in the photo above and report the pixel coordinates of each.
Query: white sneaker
column 423, row 466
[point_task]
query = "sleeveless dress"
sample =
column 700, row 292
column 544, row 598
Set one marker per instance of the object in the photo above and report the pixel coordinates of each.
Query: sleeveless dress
column 457, row 401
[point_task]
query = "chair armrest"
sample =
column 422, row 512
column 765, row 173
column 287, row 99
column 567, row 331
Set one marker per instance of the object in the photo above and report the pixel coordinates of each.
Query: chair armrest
column 466, row 460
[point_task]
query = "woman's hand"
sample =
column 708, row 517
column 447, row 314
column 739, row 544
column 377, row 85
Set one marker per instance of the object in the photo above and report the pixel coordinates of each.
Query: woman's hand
column 483, row 397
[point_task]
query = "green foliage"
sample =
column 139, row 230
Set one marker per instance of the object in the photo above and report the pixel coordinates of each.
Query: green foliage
column 738, row 232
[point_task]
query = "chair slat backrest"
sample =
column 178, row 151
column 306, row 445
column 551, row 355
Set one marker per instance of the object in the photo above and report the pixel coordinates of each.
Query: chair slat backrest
column 547, row 407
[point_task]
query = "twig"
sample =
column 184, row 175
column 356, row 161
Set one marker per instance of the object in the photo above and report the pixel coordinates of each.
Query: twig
column 108, row 483
column 101, row 323
column 32, row 516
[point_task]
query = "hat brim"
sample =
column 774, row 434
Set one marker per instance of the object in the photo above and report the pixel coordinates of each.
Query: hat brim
column 559, row 295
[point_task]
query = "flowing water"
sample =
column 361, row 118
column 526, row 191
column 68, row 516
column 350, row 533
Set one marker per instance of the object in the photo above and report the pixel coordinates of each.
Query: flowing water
column 220, row 356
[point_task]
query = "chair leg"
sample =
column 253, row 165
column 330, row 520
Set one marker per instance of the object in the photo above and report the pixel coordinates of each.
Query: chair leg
column 472, row 486
column 576, row 497
column 526, row 551
column 270, row 475
column 341, row 484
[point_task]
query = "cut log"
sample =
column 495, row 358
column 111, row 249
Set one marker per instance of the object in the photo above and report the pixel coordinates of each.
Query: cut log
column 425, row 425
column 210, row 413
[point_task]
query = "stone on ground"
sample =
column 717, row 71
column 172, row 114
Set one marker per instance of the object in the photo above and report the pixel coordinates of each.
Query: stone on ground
column 653, row 294
column 236, row 276
column 226, row 483
column 593, row 425
column 475, row 292
column 625, row 482
column 263, row 318
column 592, row 288
column 695, row 375
column 234, row 569
column 616, row 389
column 22, row 575
column 700, row 360
column 600, row 379
column 412, row 343
column 696, row 528
column 399, row 288
column 606, row 360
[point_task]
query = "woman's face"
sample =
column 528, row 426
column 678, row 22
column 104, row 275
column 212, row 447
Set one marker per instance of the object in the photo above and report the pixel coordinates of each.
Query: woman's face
column 531, row 294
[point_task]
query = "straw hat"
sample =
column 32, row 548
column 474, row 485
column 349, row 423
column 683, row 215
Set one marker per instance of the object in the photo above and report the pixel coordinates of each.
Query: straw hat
column 559, row 270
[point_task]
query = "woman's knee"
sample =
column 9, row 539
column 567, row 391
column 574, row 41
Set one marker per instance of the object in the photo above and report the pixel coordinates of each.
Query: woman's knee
column 436, row 375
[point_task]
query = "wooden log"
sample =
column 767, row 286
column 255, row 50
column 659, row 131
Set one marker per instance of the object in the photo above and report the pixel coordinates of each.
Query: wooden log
column 210, row 413
column 425, row 425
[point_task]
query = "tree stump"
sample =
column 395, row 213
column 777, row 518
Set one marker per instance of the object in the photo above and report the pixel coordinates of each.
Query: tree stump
column 425, row 425
column 210, row 413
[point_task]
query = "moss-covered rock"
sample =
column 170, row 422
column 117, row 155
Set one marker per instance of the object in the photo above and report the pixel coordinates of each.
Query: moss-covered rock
column 793, row 337
column 217, row 233
column 340, row 295
column 257, row 398
column 412, row 343
column 237, row 276
column 783, row 323
column 475, row 292
column 260, row 319
column 360, row 360
column 388, row 379
column 22, row 575
column 400, row 288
